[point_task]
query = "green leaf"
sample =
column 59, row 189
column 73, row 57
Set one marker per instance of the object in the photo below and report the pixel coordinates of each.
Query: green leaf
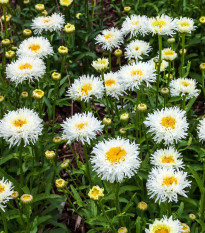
column 44, row 196
column 197, row 178
column 76, row 196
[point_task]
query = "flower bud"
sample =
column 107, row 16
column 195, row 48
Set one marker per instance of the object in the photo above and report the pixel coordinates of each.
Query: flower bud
column 24, row 94
column 65, row 163
column 107, row 121
column 142, row 206
column 26, row 198
column 26, row 1
column 1, row 98
column 202, row 66
column 4, row 2
column 8, row 17
column 78, row 15
column 142, row 107
column 10, row 54
column 5, row 42
column 123, row 131
column 165, row 90
column 50, row 154
column 40, row 7
column 15, row 195
column 180, row 51
column 27, row 32
column 60, row 183
column 192, row 216
column 118, row 52
column 185, row 228
column 38, row 94
column 14, row 48
column 69, row 28
column 63, row 50
column 65, row 2
column 127, row 8
column 100, row 65
column 44, row 13
column 56, row 76
column 171, row 40
column 169, row 75
column 122, row 230
column 57, row 140
column 96, row 193
column 124, row 116
column 202, row 19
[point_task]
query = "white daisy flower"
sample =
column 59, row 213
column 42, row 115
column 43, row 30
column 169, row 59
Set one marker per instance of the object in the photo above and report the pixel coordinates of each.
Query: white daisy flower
column 136, row 49
column 85, row 88
column 35, row 47
column 115, row 159
column 165, row 225
column 168, row 54
column 22, row 124
column 166, row 183
column 81, row 127
column 162, row 25
column 135, row 24
column 6, row 190
column 168, row 125
column 201, row 130
column 110, row 38
column 51, row 23
column 133, row 75
column 163, row 66
column 169, row 157
column 113, row 86
column 25, row 68
column 185, row 25
column 184, row 86
column 101, row 64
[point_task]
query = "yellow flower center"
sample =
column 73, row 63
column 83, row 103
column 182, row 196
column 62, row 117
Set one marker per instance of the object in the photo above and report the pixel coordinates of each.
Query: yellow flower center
column 46, row 20
column 86, row 88
column 109, row 82
column 2, row 188
column 136, row 72
column 135, row 23
column 168, row 181
column 168, row 122
column 159, row 23
column 66, row 1
column 137, row 48
column 26, row 197
column 185, row 83
column 168, row 52
column 161, row 228
column 115, row 154
column 95, row 192
column 108, row 36
column 184, row 24
column 34, row 47
column 19, row 123
column 26, row 66
column 81, row 125
column 167, row 159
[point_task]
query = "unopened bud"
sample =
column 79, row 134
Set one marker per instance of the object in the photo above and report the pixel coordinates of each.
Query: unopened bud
column 107, row 121
column 171, row 40
column 142, row 107
column 124, row 116
column 1, row 98
column 26, row 198
column 63, row 50
column 118, row 52
column 56, row 76
column 15, row 195
column 127, row 8
column 27, row 32
column 165, row 90
column 60, row 183
column 123, row 131
column 192, row 216
column 202, row 19
column 122, row 230
column 142, row 206
column 5, row 42
column 10, row 54
column 40, row 7
column 50, row 154
column 38, row 94
column 180, row 51
column 24, row 94
column 65, row 163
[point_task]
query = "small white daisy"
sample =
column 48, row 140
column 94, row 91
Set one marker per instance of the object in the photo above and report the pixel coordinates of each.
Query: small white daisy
column 35, row 47
column 162, row 25
column 115, row 159
column 169, row 157
column 168, row 125
column 51, row 23
column 22, row 124
column 168, row 54
column 201, row 130
column 184, row 87
column 133, row 75
column 85, row 88
column 135, row 24
column 81, row 127
column 110, row 38
column 185, row 25
column 25, row 68
column 6, row 190
column 166, row 183
column 113, row 86
column 165, row 225
column 136, row 49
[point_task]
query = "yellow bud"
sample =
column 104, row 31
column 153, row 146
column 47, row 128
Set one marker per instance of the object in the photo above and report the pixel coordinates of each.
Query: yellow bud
column 50, row 154
column 4, row 2
column 124, row 116
column 60, row 183
column 142, row 206
column 24, row 94
column 69, row 28
column 5, row 42
column 180, row 51
column 185, row 228
column 8, row 17
column 27, row 32
column 192, row 216
column 123, row 131
column 202, row 66
column 26, row 198
column 78, row 15
column 57, row 140
column 40, row 7
column 1, row 98
column 38, row 94
column 26, row 1
column 127, row 8
column 142, row 107
column 170, row 76
column 65, row 163
column 96, row 193
column 122, row 230
column 171, row 40
column 118, row 52
column 107, row 121
column 44, row 13
column 63, row 50
column 202, row 19
column 165, row 90
column 56, row 76
column 15, row 195
column 10, row 54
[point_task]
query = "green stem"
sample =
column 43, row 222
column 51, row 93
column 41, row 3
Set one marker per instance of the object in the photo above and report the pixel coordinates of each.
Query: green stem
column 29, row 93
column 28, row 218
column 110, row 60
column 106, row 98
column 20, row 163
column 159, row 65
column 62, row 64
column 169, row 72
column 87, row 164
column 202, row 205
column 119, row 61
column 5, row 23
column 4, row 220
column 55, row 169
column 183, row 101
column 54, row 105
column 117, row 203
column 182, row 57
column 203, row 87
